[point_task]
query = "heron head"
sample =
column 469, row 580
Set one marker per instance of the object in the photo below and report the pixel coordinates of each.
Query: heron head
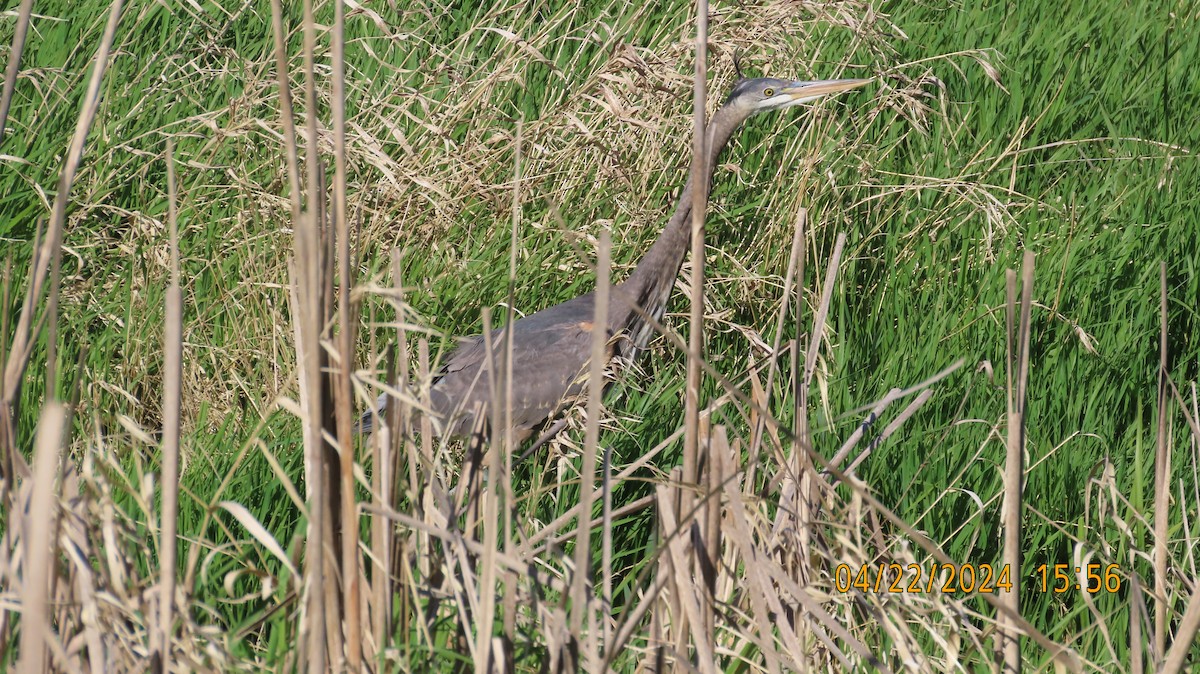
column 768, row 93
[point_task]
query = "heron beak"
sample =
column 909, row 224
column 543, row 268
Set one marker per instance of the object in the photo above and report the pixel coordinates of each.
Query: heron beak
column 803, row 92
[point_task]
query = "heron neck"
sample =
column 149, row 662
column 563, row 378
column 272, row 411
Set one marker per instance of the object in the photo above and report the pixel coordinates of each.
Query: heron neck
column 655, row 274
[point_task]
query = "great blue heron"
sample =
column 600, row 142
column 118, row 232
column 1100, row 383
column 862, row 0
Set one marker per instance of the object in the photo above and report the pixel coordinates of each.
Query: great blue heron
column 551, row 348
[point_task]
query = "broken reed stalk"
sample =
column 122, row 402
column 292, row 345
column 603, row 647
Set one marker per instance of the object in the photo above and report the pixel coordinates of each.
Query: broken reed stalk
column 349, row 531
column 39, row 539
column 1018, row 362
column 381, row 539
column 721, row 559
column 711, row 520
column 311, row 623
column 393, row 445
column 499, row 412
column 486, row 654
column 7, row 421
column 587, row 476
column 172, row 402
column 1189, row 624
column 1162, row 472
column 699, row 203
column 306, row 289
column 419, row 541
column 799, row 383
column 671, row 615
column 510, row 443
column 691, row 436
column 427, row 505
column 320, row 275
column 286, row 114
column 490, row 496
column 805, row 485
column 893, row 426
column 606, row 506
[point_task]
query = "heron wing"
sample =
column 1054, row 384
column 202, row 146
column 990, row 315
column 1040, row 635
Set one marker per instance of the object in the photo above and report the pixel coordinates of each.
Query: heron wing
column 550, row 352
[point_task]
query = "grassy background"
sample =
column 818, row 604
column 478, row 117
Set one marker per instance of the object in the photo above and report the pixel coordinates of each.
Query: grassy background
column 996, row 128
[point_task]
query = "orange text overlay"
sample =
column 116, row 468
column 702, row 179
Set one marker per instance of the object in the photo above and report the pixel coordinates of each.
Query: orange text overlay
column 1092, row 578
column 970, row 578
column 924, row 578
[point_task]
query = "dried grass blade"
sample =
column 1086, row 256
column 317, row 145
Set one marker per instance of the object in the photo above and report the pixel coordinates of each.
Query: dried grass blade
column 486, row 587
column 258, row 531
column 739, row 530
column 922, row 398
column 1014, row 461
column 506, row 448
column 685, row 587
column 764, row 600
column 1162, row 472
column 14, row 62
column 172, row 401
column 691, row 435
column 596, row 365
column 35, row 631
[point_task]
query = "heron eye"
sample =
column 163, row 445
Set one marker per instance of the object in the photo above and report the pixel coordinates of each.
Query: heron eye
column 768, row 92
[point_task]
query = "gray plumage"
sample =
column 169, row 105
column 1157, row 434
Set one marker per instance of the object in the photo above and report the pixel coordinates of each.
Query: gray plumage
column 551, row 348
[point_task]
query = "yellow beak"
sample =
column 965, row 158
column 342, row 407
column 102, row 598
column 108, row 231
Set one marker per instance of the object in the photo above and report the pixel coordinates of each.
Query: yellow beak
column 802, row 92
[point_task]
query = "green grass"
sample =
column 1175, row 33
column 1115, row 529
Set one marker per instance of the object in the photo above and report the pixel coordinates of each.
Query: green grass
column 1084, row 152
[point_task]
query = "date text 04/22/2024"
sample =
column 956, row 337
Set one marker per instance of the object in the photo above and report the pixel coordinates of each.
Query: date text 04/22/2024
column 971, row 578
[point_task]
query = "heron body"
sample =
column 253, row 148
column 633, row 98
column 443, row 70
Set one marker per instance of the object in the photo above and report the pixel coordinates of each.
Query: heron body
column 551, row 348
